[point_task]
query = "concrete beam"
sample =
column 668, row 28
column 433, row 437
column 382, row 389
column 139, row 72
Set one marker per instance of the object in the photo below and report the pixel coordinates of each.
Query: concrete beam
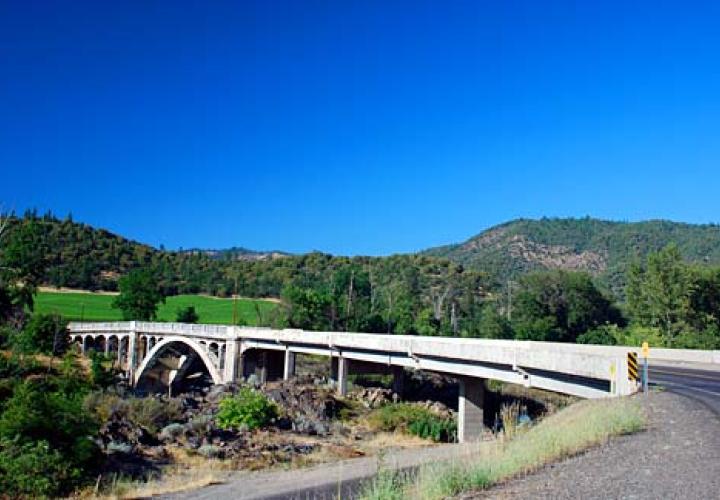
column 470, row 408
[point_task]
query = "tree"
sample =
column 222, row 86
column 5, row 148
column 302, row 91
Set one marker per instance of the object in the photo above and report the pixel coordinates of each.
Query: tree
column 658, row 294
column 491, row 325
column 139, row 295
column 45, row 333
column 187, row 315
column 307, row 308
column 560, row 305
column 23, row 259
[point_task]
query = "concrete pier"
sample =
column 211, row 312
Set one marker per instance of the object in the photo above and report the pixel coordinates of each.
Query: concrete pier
column 398, row 385
column 289, row 366
column 470, row 408
column 339, row 374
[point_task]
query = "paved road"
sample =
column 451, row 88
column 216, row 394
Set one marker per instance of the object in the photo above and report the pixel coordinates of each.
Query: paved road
column 701, row 385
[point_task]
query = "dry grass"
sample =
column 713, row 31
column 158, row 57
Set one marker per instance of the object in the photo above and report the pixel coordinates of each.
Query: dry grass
column 564, row 434
column 188, row 471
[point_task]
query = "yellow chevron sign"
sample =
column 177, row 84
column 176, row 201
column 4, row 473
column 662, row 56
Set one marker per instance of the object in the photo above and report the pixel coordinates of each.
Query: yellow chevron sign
column 633, row 371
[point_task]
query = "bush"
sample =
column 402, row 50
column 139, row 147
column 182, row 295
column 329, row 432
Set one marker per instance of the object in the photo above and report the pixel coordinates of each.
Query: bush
column 150, row 413
column 187, row 315
column 602, row 335
column 210, row 451
column 44, row 333
column 249, row 408
column 415, row 420
column 100, row 375
column 43, row 424
column 34, row 469
column 172, row 431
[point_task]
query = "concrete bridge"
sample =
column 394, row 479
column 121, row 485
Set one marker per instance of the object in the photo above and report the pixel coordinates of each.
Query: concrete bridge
column 158, row 356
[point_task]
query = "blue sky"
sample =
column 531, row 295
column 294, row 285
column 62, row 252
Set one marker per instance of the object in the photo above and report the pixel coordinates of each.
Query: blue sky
column 357, row 127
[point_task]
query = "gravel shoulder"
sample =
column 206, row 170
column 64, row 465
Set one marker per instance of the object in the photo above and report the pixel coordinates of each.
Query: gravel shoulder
column 678, row 456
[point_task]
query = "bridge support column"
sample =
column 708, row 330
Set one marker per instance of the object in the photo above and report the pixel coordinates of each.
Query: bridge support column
column 263, row 367
column 231, row 369
column 289, row 367
column 398, row 385
column 339, row 373
column 132, row 354
column 120, row 351
column 470, row 408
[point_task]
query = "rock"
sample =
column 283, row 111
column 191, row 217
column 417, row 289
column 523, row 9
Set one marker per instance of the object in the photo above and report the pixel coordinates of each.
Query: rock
column 193, row 442
column 171, row 432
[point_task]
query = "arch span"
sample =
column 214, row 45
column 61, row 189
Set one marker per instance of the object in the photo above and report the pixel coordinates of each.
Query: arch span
column 162, row 345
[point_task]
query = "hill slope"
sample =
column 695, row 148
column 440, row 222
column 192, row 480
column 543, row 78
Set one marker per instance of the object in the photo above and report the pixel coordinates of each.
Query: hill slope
column 603, row 248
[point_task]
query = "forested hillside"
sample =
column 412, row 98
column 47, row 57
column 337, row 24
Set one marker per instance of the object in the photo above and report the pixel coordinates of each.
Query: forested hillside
column 670, row 300
column 407, row 293
column 603, row 248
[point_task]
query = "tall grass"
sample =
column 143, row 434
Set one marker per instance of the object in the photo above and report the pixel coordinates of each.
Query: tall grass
column 578, row 427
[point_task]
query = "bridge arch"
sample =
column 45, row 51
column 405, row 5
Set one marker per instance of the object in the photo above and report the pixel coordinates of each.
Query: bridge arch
column 152, row 356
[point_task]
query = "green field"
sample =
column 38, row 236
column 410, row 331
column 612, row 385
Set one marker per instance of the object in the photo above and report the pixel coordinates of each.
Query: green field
column 96, row 307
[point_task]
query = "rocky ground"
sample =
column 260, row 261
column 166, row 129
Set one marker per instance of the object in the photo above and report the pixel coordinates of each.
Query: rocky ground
column 313, row 422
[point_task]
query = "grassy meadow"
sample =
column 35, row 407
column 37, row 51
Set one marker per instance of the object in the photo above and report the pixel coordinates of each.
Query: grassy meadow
column 98, row 307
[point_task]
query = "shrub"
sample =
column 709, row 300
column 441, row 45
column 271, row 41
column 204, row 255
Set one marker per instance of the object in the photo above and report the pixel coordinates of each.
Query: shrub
column 150, row 413
column 210, row 451
column 602, row 335
column 100, row 376
column 187, row 315
column 413, row 419
column 249, row 408
column 153, row 413
column 34, row 469
column 172, row 431
column 44, row 424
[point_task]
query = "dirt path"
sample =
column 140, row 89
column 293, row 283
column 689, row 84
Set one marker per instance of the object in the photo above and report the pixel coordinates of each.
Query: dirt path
column 325, row 481
column 677, row 457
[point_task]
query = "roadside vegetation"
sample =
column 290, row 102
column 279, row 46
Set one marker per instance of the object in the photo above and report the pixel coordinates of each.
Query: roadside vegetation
column 572, row 430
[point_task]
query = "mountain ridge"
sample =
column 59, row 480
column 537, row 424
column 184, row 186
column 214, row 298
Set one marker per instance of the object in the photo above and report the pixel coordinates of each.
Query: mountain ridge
column 603, row 248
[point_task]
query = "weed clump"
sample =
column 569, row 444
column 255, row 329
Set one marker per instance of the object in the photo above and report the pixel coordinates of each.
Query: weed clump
column 250, row 409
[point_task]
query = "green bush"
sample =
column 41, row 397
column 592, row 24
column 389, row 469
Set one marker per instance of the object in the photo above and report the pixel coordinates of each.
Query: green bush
column 33, row 469
column 415, row 420
column 602, row 335
column 187, row 315
column 249, row 408
column 41, row 423
column 100, row 374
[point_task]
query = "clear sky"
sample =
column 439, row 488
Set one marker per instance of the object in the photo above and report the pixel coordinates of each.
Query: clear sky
column 357, row 127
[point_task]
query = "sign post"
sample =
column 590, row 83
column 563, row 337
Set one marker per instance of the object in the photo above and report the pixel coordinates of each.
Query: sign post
column 645, row 355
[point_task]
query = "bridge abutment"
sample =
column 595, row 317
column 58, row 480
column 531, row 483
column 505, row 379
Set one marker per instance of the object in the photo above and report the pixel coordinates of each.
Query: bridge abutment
column 471, row 405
